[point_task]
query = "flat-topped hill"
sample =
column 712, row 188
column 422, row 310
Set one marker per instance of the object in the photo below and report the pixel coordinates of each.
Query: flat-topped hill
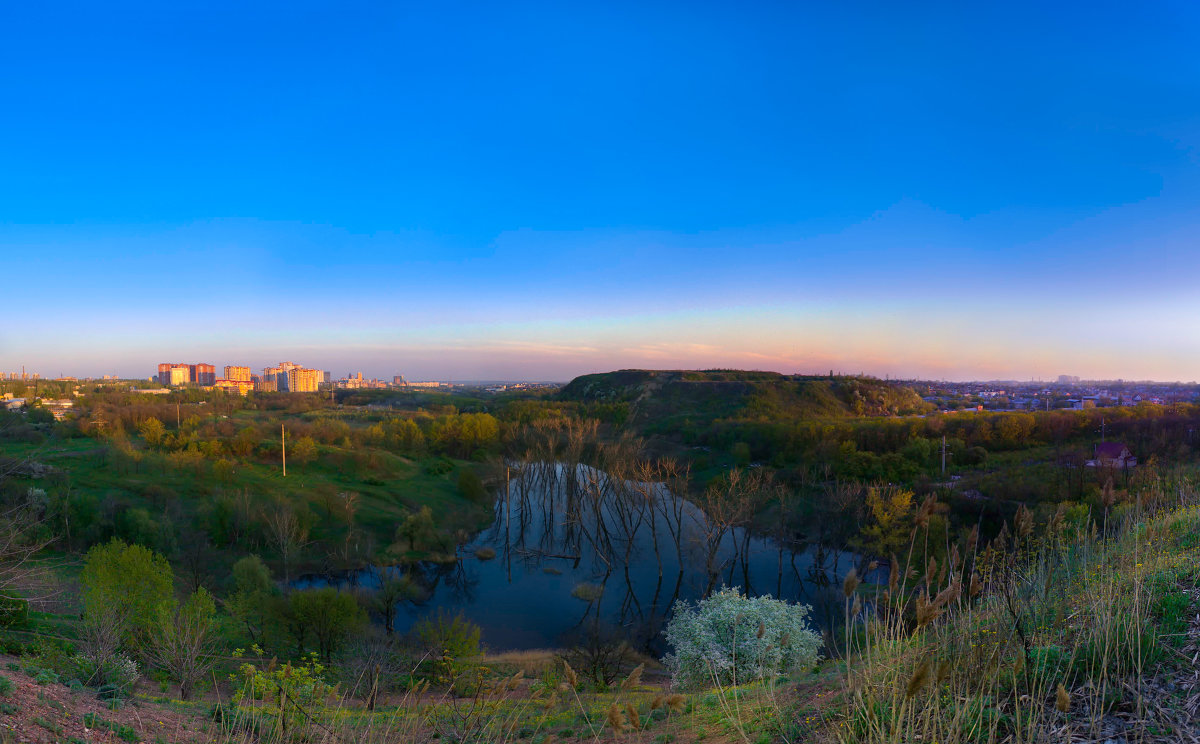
column 655, row 395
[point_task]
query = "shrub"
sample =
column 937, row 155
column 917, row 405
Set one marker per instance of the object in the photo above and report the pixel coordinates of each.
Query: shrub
column 471, row 487
column 294, row 694
column 58, row 657
column 6, row 686
column 440, row 466
column 45, row 676
column 113, row 678
column 598, row 652
column 732, row 639
column 455, row 637
column 14, row 611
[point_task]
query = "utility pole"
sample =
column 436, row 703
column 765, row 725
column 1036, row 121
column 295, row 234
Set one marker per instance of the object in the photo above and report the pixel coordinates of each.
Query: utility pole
column 943, row 455
column 176, row 415
column 283, row 441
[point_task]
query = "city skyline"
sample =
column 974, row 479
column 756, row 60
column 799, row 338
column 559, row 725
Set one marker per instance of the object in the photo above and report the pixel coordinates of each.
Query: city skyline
column 536, row 192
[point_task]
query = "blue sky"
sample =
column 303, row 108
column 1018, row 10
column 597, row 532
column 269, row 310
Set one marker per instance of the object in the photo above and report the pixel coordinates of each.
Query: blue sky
column 462, row 190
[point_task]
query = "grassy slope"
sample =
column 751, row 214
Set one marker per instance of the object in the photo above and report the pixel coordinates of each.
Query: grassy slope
column 390, row 486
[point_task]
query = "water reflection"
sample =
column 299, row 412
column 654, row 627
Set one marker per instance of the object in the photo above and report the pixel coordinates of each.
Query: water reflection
column 575, row 547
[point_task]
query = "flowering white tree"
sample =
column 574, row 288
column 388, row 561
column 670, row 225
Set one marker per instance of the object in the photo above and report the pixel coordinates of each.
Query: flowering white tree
column 732, row 639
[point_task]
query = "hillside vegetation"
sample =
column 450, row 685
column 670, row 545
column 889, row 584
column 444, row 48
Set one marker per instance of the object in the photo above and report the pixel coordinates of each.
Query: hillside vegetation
column 148, row 547
column 666, row 398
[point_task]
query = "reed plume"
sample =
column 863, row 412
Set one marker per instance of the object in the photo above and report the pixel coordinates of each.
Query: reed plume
column 918, row 679
column 850, row 583
column 632, row 714
column 1062, row 699
column 634, row 679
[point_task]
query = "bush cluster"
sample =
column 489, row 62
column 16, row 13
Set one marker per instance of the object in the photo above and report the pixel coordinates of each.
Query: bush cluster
column 733, row 639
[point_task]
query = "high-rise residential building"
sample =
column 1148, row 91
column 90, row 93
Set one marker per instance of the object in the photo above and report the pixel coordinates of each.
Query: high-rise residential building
column 302, row 380
column 237, row 373
column 204, row 374
column 292, row 378
column 174, row 373
column 200, row 374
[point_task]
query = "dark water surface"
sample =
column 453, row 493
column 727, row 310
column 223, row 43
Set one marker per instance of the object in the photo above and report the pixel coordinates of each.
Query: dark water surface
column 637, row 546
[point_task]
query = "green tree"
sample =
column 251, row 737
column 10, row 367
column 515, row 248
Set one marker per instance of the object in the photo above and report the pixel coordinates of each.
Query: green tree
column 223, row 470
column 463, row 433
column 325, row 616
column 252, row 592
column 245, row 442
column 387, row 598
column 889, row 513
column 39, row 415
column 304, row 450
column 123, row 588
column 181, row 641
column 417, row 532
column 406, row 436
column 152, row 431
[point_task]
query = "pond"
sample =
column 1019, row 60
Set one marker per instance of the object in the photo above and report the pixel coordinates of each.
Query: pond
column 576, row 550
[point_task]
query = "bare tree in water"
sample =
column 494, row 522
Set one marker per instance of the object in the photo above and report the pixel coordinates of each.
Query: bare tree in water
column 728, row 503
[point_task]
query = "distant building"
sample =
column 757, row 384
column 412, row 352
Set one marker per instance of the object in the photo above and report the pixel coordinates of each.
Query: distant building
column 59, row 408
column 1112, row 455
column 203, row 374
column 237, row 374
column 1068, row 379
column 241, row 387
column 300, row 380
column 164, row 372
column 200, row 374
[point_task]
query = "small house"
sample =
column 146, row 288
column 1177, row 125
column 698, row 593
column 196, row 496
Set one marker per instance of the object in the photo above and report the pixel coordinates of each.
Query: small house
column 1112, row 455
